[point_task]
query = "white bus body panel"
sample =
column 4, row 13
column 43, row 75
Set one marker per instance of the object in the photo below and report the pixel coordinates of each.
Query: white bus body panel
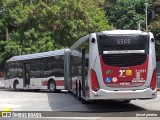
column 122, row 95
column 35, row 83
column 9, row 83
column 105, row 92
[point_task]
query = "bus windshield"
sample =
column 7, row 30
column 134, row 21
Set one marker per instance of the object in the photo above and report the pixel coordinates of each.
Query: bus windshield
column 114, row 44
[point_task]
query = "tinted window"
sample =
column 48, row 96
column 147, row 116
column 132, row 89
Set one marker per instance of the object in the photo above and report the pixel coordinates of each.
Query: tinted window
column 35, row 69
column 11, row 70
column 122, row 42
column 7, row 72
column 53, row 66
column 76, row 59
column 19, row 69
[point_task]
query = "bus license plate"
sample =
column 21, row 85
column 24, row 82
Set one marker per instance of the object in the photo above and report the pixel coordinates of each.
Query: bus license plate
column 125, row 83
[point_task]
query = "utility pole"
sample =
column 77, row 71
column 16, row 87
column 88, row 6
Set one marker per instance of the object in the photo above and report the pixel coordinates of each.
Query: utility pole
column 139, row 26
column 146, row 5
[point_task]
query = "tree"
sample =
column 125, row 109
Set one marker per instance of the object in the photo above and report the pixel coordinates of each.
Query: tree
column 155, row 24
column 126, row 14
column 41, row 25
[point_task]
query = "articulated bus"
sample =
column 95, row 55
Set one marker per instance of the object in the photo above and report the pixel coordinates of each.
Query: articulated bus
column 112, row 65
column 36, row 71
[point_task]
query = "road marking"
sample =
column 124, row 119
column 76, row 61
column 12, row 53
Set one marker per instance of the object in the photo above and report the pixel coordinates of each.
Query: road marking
column 7, row 109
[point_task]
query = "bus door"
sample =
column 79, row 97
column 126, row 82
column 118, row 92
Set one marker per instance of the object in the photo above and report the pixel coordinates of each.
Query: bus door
column 83, row 72
column 26, row 74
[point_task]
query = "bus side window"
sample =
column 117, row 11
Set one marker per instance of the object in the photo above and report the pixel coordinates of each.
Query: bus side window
column 5, row 71
column 19, row 69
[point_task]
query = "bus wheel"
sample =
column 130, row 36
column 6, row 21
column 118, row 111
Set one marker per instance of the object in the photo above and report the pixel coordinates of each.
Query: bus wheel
column 58, row 91
column 126, row 101
column 79, row 92
column 15, row 85
column 36, row 90
column 84, row 101
column 76, row 90
column 52, row 86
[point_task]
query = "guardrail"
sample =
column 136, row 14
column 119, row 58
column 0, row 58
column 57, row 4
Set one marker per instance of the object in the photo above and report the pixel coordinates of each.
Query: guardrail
column 158, row 79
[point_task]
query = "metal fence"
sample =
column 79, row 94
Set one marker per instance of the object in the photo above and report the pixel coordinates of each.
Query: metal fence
column 158, row 78
column 158, row 72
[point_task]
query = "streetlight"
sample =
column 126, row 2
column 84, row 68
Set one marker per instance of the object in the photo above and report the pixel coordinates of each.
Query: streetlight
column 146, row 5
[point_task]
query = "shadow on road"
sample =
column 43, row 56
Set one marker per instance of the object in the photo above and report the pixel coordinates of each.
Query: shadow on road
column 68, row 102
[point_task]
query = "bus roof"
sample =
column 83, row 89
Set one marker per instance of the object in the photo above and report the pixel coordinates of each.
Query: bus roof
column 78, row 42
column 124, row 32
column 37, row 55
column 109, row 32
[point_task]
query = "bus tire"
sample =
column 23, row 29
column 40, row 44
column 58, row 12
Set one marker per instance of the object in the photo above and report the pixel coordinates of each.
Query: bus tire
column 36, row 90
column 58, row 91
column 76, row 90
column 126, row 101
column 15, row 85
column 84, row 101
column 79, row 92
column 52, row 86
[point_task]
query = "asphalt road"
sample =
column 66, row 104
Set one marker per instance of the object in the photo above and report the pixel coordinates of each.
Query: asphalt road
column 66, row 102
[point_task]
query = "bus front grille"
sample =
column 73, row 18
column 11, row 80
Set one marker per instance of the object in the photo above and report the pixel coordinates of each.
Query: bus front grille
column 124, row 60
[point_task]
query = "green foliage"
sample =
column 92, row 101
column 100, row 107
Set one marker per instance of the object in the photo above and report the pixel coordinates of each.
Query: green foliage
column 126, row 14
column 39, row 25
column 155, row 24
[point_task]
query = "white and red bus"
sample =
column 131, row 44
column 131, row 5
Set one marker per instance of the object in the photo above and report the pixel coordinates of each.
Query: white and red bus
column 36, row 71
column 112, row 65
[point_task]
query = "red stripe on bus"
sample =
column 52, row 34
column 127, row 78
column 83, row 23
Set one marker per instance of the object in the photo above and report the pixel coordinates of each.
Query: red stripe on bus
column 45, row 83
column 59, row 82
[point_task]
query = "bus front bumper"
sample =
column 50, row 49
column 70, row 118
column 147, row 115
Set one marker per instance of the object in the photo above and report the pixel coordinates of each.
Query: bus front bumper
column 123, row 95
